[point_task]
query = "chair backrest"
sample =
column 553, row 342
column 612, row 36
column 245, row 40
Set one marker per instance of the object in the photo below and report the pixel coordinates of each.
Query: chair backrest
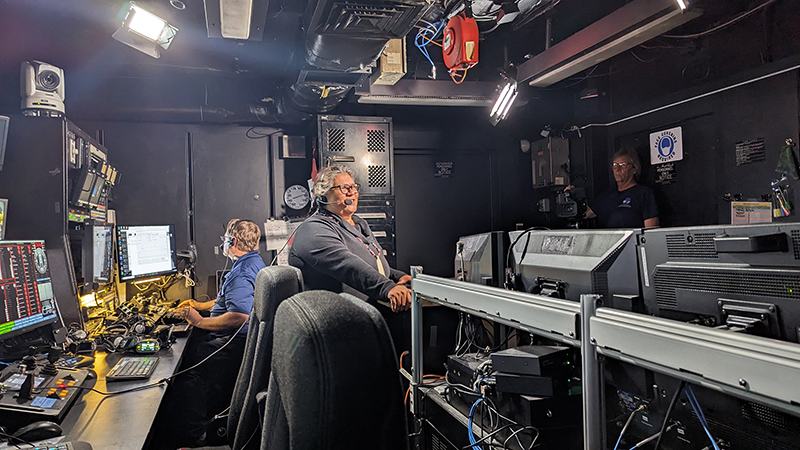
column 335, row 382
column 274, row 284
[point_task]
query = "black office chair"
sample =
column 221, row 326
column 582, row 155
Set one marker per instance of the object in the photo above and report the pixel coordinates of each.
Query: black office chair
column 335, row 382
column 274, row 284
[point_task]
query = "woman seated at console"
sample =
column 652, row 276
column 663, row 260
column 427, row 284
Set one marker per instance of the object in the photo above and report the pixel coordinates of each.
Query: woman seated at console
column 336, row 250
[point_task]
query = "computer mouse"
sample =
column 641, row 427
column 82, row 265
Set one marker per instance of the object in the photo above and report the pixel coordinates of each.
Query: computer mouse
column 38, row 431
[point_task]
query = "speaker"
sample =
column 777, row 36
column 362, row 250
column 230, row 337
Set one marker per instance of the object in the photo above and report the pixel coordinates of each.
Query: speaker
column 42, row 89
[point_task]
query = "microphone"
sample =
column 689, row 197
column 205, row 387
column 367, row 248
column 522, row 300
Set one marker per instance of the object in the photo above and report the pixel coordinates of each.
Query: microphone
column 347, row 202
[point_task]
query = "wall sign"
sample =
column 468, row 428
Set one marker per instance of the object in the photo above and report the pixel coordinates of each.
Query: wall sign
column 666, row 146
column 443, row 169
column 665, row 173
column 750, row 151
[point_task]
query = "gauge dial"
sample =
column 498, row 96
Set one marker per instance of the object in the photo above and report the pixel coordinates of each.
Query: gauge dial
column 296, row 197
column 40, row 260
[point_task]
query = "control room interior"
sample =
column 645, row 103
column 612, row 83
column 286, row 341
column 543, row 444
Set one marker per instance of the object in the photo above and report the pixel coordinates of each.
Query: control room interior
column 225, row 119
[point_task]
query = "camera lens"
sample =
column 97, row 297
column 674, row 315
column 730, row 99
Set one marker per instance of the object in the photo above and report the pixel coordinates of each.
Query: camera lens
column 48, row 80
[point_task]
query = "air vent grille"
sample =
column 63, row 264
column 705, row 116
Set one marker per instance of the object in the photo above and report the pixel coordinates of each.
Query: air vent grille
column 377, row 176
column 376, row 141
column 692, row 246
column 336, row 142
column 772, row 418
column 796, row 243
column 779, row 426
column 668, row 280
column 390, row 18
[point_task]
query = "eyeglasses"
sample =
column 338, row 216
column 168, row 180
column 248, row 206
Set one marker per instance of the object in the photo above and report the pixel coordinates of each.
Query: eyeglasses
column 347, row 188
column 620, row 165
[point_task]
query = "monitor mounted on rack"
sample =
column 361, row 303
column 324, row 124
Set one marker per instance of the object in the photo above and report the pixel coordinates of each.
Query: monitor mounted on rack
column 26, row 288
column 480, row 258
column 97, row 255
column 746, row 277
column 146, row 251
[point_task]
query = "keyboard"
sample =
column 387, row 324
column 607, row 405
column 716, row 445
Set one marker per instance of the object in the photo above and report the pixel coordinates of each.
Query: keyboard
column 76, row 445
column 133, row 368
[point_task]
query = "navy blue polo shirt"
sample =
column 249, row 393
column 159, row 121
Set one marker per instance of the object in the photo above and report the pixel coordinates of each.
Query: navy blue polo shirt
column 625, row 209
column 236, row 293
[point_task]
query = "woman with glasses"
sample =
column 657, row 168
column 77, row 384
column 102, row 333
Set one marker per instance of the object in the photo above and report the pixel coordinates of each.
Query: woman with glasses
column 629, row 205
column 336, row 250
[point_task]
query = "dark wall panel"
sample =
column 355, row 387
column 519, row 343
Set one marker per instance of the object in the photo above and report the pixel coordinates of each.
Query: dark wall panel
column 230, row 180
column 432, row 213
column 712, row 126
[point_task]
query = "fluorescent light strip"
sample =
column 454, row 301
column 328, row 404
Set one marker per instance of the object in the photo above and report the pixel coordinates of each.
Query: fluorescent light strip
column 682, row 4
column 500, row 99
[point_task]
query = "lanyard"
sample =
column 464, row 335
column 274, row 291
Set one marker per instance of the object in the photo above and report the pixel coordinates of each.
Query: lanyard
column 376, row 253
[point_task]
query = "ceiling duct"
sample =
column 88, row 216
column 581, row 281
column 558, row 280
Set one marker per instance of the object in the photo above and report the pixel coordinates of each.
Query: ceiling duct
column 430, row 93
column 349, row 36
column 623, row 29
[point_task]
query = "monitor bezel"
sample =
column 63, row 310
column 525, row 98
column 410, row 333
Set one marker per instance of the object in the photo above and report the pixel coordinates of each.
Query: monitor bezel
column 87, row 263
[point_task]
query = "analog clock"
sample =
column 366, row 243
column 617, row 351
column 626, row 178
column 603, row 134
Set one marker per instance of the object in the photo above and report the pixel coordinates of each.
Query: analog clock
column 296, row 196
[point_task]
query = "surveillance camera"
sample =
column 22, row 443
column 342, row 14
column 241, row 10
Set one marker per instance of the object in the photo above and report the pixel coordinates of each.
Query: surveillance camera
column 42, row 89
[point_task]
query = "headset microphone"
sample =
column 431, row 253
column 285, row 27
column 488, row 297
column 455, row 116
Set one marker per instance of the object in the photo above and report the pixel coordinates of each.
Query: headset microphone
column 347, row 202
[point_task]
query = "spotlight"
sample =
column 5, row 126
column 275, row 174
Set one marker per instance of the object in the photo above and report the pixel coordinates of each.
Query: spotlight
column 145, row 31
column 504, row 101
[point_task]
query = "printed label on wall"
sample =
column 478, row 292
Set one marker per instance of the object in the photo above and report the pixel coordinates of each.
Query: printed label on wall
column 666, row 146
column 750, row 151
column 443, row 169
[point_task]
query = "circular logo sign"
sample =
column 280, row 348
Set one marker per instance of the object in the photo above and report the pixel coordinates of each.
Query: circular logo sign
column 665, row 143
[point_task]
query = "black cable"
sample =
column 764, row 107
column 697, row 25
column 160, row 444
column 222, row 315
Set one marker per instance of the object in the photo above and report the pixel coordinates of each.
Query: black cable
column 669, row 411
column 13, row 439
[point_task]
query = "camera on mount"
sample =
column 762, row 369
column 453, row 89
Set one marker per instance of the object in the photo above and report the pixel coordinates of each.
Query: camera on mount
column 571, row 203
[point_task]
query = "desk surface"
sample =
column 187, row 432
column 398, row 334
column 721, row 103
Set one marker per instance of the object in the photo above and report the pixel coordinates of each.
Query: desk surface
column 121, row 421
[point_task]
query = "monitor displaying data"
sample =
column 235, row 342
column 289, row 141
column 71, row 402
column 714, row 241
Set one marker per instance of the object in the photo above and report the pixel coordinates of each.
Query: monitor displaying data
column 98, row 253
column 26, row 289
column 145, row 251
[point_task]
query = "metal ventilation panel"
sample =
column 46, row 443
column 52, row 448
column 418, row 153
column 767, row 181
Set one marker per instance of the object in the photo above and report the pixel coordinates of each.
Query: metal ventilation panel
column 390, row 19
column 362, row 143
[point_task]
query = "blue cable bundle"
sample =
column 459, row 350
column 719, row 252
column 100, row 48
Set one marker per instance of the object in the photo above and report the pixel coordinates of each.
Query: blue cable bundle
column 432, row 30
column 472, row 439
column 700, row 416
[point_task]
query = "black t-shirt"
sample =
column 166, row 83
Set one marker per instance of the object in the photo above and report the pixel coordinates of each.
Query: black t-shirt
column 625, row 209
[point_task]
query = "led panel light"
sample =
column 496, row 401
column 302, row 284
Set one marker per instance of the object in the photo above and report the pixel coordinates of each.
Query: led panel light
column 145, row 31
column 146, row 23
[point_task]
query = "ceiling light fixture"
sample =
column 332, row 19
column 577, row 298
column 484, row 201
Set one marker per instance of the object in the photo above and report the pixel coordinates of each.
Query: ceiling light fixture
column 145, row 31
column 683, row 5
column 235, row 17
column 504, row 101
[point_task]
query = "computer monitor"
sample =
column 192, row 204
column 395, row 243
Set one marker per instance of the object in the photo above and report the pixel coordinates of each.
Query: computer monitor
column 98, row 254
column 26, row 289
column 569, row 263
column 480, row 258
column 145, row 251
column 83, row 188
column 743, row 276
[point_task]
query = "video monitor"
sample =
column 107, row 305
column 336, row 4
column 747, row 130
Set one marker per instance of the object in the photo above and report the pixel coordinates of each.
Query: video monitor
column 97, row 190
column 146, row 251
column 744, row 277
column 98, row 253
column 568, row 263
column 26, row 291
column 480, row 258
column 83, row 189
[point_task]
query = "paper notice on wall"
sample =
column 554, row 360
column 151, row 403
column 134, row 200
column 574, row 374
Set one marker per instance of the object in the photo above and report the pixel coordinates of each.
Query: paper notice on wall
column 743, row 213
column 276, row 233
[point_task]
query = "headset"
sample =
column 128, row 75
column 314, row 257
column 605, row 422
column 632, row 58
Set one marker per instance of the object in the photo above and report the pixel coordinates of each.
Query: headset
column 230, row 240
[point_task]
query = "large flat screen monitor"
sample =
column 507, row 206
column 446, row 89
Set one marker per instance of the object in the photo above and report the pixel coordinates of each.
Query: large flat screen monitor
column 26, row 289
column 98, row 253
column 145, row 251
column 745, row 277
